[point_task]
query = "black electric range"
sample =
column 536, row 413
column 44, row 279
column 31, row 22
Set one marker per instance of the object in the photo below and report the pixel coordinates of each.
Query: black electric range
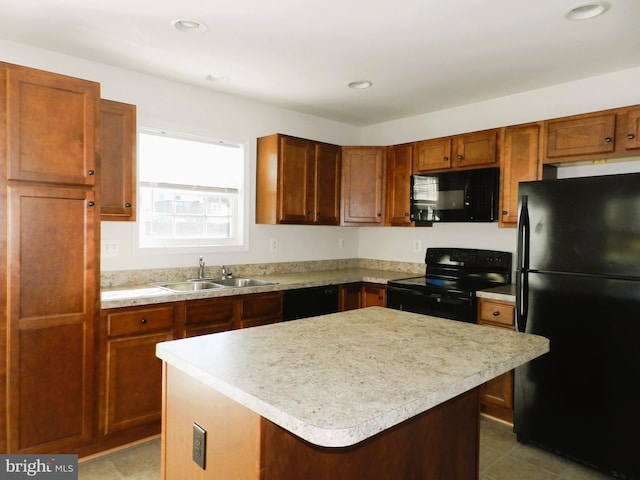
column 452, row 277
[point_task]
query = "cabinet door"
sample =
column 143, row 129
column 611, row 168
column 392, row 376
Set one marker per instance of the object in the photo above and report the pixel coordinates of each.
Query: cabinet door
column 134, row 382
column 374, row 295
column 363, row 185
column 399, row 165
column 633, row 129
column 519, row 163
column 210, row 315
column 52, row 309
column 327, row 184
column 295, row 180
column 261, row 309
column 583, row 135
column 52, row 125
column 350, row 296
column 118, row 161
column 474, row 149
column 432, row 155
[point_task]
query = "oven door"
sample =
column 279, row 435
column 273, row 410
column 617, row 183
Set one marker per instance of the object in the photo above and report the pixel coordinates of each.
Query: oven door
column 446, row 305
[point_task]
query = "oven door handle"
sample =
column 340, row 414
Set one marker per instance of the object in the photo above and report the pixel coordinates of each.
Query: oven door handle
column 428, row 295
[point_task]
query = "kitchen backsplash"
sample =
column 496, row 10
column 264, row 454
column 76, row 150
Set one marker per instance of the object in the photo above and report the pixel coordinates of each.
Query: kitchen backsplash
column 142, row 277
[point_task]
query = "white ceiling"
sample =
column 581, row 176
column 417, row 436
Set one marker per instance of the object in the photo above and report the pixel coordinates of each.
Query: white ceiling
column 421, row 55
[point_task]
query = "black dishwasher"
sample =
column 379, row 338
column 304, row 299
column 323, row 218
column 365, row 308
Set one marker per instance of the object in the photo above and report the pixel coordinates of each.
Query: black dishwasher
column 309, row 302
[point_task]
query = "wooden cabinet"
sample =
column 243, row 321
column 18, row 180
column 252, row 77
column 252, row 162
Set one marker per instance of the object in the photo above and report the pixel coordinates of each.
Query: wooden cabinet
column 496, row 396
column 363, row 177
column 432, row 155
column 373, row 295
column 298, row 181
column 469, row 150
column 118, row 162
column 260, row 309
column 350, row 295
column 209, row 315
column 475, row 149
column 518, row 163
column 131, row 386
column 49, row 235
column 399, row 168
column 593, row 136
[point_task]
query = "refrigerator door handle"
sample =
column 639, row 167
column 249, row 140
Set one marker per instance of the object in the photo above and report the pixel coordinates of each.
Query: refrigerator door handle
column 522, row 281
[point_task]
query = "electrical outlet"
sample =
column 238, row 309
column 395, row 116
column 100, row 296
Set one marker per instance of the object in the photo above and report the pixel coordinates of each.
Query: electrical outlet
column 199, row 445
column 273, row 244
column 110, row 248
column 417, row 246
column 341, row 243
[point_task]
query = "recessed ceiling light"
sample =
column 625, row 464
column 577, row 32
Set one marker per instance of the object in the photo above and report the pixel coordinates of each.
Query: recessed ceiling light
column 360, row 84
column 188, row 26
column 585, row 11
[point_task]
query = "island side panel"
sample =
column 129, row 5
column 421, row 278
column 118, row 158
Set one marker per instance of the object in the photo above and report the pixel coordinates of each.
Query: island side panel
column 440, row 444
column 233, row 442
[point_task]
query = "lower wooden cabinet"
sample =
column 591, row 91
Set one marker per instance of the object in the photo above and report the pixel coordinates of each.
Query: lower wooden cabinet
column 361, row 295
column 496, row 396
column 260, row 309
column 130, row 372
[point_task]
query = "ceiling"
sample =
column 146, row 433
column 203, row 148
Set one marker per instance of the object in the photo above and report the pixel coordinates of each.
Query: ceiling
column 421, row 55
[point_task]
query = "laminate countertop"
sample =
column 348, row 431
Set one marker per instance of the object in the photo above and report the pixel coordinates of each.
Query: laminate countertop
column 135, row 295
column 337, row 379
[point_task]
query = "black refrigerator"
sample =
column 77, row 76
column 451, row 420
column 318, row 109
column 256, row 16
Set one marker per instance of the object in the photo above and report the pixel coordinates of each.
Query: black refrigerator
column 578, row 284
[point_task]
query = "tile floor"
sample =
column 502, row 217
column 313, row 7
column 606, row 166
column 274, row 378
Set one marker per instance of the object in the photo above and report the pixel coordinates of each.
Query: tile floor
column 501, row 458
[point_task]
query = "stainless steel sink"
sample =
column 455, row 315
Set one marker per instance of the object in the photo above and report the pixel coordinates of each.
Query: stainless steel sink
column 241, row 282
column 191, row 286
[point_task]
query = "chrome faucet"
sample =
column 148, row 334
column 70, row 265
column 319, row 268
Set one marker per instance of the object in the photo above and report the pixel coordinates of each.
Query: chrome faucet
column 225, row 274
column 201, row 268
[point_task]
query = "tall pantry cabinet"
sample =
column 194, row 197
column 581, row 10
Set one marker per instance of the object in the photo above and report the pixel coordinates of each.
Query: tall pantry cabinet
column 49, row 233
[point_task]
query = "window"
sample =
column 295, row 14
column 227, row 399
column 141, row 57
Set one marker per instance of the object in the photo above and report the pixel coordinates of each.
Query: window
column 190, row 192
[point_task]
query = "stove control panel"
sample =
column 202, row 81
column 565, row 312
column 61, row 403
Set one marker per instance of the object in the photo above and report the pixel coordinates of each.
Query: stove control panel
column 468, row 257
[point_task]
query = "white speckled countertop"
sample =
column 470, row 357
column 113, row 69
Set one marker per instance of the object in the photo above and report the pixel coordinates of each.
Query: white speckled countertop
column 134, row 295
column 506, row 293
column 338, row 379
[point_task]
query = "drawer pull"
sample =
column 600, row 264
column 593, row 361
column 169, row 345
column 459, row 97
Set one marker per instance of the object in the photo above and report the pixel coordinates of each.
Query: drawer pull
column 143, row 321
column 631, row 136
column 496, row 313
column 607, row 139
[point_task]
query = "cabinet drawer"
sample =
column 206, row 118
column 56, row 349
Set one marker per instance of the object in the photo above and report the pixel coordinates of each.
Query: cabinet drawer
column 133, row 322
column 497, row 313
column 219, row 311
column 262, row 305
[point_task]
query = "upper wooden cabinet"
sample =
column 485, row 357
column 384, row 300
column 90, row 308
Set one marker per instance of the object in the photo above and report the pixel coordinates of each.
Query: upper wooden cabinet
column 363, row 177
column 431, row 155
column 593, row 136
column 118, row 161
column 298, row 181
column 475, row 149
column 470, row 150
column 52, row 124
column 518, row 163
column 399, row 166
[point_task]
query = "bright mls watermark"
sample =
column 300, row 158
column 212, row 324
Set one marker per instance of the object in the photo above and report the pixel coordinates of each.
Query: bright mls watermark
column 50, row 467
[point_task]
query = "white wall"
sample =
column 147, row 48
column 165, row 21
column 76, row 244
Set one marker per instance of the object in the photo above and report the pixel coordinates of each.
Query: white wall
column 176, row 107
column 592, row 94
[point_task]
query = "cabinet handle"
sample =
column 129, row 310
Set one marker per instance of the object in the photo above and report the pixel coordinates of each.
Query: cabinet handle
column 496, row 313
column 607, row 139
column 504, row 212
column 445, row 159
column 460, row 157
column 380, row 297
column 91, row 172
column 631, row 136
column 143, row 321
column 308, row 212
column 406, row 214
column 92, row 204
column 128, row 205
column 379, row 214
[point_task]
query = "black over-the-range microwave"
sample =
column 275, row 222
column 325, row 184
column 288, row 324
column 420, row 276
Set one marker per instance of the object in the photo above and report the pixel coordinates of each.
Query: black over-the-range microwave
column 456, row 196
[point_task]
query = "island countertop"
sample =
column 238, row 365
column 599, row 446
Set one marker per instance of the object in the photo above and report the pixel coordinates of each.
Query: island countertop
column 338, row 379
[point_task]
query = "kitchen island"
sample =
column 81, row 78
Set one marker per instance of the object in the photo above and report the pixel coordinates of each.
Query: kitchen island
column 370, row 393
